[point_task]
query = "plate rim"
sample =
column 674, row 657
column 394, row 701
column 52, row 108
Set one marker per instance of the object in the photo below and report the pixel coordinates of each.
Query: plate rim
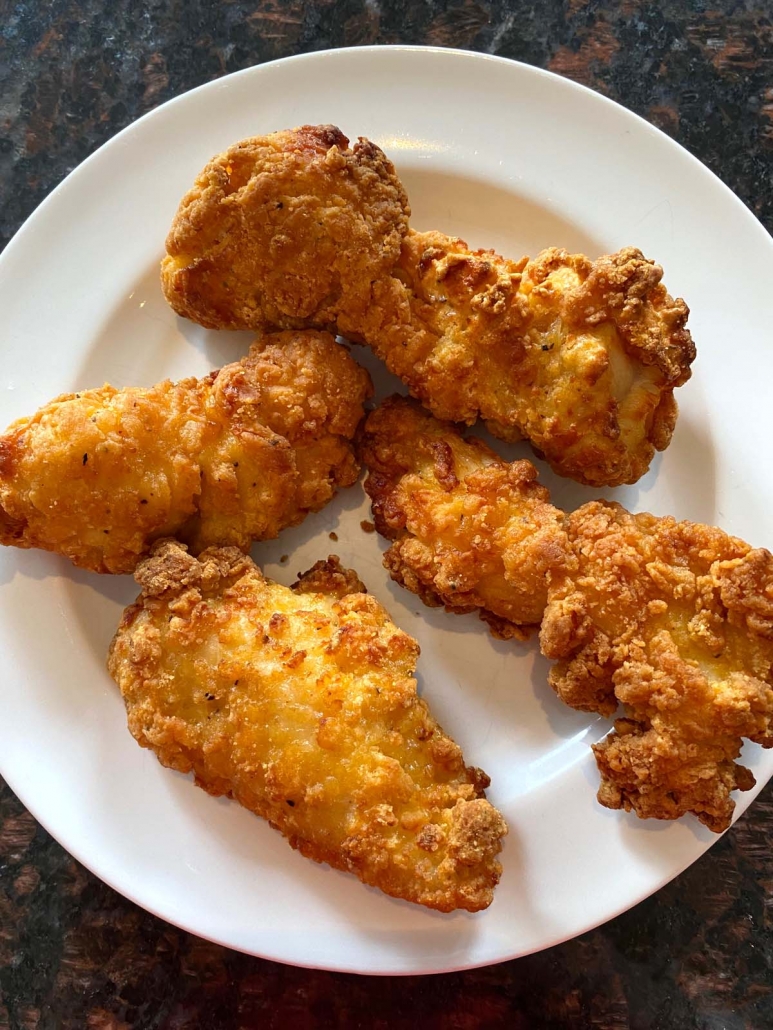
column 311, row 55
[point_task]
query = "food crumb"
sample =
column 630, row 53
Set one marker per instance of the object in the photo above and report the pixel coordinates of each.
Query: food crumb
column 333, row 536
column 367, row 527
column 284, row 558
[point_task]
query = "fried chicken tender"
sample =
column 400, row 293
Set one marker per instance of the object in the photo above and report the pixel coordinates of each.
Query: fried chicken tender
column 580, row 357
column 469, row 530
column 674, row 621
column 234, row 457
column 301, row 705
column 287, row 230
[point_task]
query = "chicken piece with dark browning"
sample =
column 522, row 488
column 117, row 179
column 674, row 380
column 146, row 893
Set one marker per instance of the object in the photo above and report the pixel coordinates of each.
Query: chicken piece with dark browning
column 579, row 357
column 673, row 621
column 233, row 457
column 301, row 705
column 469, row 531
column 669, row 623
column 287, row 230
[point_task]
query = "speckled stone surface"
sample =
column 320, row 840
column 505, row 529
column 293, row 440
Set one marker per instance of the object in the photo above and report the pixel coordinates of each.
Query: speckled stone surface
column 73, row 954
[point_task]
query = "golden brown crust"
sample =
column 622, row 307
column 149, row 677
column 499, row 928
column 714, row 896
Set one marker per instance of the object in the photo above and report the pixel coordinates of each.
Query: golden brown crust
column 285, row 230
column 579, row 357
column 311, row 393
column 302, row 706
column 672, row 620
column 227, row 459
column 469, row 531
column 746, row 589
column 329, row 577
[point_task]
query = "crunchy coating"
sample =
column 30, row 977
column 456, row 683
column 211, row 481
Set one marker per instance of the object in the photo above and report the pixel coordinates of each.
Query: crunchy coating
column 301, row 704
column 580, row 357
column 287, row 229
column 469, row 530
column 674, row 621
column 233, row 457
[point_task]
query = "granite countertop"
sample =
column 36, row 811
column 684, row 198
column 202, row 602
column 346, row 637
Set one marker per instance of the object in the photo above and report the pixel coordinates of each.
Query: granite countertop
column 73, row 953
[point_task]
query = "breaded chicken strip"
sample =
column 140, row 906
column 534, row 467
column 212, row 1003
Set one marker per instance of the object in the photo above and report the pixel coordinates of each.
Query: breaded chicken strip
column 580, row 357
column 469, row 530
column 301, row 704
column 674, row 621
column 234, row 457
column 287, row 230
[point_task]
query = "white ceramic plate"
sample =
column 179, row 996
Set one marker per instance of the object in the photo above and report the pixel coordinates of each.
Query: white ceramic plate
column 505, row 156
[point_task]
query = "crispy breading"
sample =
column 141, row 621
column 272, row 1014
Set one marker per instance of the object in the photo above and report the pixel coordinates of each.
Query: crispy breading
column 311, row 392
column 287, row 230
column 674, row 621
column 579, row 357
column 227, row 459
column 469, row 530
column 301, row 704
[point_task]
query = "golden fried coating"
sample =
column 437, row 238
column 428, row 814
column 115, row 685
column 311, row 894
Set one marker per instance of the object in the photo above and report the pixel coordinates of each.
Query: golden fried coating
column 674, row 621
column 236, row 456
column 579, row 357
column 301, row 704
column 469, row 530
column 287, row 230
